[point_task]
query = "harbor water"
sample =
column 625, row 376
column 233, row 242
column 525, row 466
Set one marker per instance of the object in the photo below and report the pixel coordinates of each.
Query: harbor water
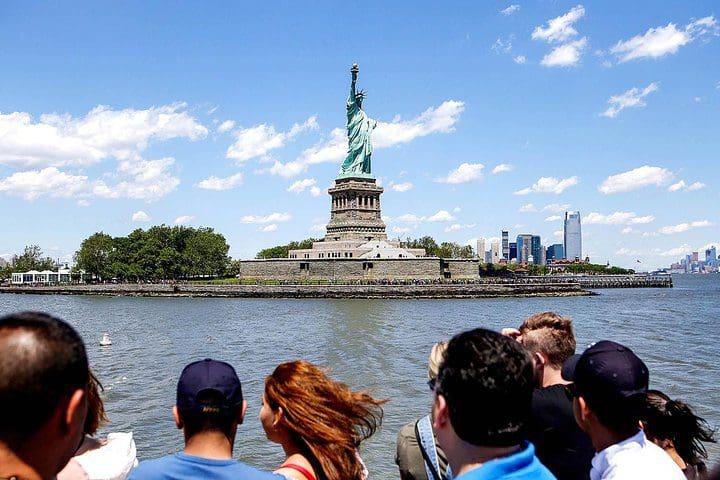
column 380, row 345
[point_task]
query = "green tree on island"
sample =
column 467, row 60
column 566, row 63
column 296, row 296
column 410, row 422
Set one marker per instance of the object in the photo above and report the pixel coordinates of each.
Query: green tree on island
column 32, row 259
column 160, row 253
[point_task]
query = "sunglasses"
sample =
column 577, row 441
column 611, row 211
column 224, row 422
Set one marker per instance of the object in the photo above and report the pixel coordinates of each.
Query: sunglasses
column 571, row 390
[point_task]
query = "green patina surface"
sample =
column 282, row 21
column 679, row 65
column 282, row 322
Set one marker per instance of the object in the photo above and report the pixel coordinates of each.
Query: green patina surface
column 359, row 129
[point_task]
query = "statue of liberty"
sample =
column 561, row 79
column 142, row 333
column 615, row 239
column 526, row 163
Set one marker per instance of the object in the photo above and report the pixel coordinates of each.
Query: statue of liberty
column 359, row 129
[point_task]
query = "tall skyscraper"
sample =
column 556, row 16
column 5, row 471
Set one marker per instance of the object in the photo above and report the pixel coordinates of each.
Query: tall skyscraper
column 494, row 251
column 573, row 236
column 711, row 255
column 505, row 246
column 480, row 249
column 524, row 245
column 536, row 250
column 513, row 252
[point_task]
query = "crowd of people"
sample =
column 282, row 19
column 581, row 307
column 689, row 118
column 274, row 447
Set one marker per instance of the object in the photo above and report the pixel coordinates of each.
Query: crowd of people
column 516, row 404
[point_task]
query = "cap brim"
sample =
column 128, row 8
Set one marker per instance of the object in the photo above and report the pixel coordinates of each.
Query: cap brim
column 568, row 368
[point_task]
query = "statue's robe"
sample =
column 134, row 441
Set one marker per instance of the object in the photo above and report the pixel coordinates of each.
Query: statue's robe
column 359, row 128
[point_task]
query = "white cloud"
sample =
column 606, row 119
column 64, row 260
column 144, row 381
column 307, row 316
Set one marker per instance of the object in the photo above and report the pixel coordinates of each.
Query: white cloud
column 273, row 217
column 315, row 191
column 510, row 9
column 141, row 216
column 558, row 234
column 566, row 55
column 684, row 227
column 677, row 251
column 148, row 180
column 433, row 120
column 681, row 185
column 301, row 185
column 617, row 218
column 50, row 181
column 226, row 126
column 402, row 187
column 549, row 185
column 502, row 46
column 409, row 218
column 626, row 230
column 216, row 183
column 400, row 229
column 528, row 208
column 441, row 216
column 503, row 167
column 455, row 227
column 660, row 41
column 636, row 178
column 61, row 140
column 457, row 210
column 632, row 98
column 553, row 218
column 556, row 207
column 184, row 219
column 257, row 141
column 268, row 228
column 560, row 29
column 519, row 59
column 466, row 172
column 318, row 227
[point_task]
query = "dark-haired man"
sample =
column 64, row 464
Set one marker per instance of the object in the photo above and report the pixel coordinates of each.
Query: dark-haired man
column 43, row 403
column 559, row 442
column 610, row 384
column 208, row 409
column 481, row 406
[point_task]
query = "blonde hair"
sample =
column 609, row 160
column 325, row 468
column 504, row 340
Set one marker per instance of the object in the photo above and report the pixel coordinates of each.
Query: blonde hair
column 436, row 358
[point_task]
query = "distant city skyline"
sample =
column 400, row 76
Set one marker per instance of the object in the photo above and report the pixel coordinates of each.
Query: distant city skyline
column 493, row 116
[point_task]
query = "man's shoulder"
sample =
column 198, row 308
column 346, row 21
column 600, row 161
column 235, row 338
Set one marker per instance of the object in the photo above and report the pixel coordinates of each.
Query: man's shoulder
column 650, row 461
column 184, row 466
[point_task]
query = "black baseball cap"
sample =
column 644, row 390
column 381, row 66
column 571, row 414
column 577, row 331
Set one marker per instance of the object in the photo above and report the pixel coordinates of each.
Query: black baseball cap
column 607, row 372
column 208, row 375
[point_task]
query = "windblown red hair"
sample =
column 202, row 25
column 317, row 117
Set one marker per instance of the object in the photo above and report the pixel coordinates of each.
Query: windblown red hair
column 327, row 419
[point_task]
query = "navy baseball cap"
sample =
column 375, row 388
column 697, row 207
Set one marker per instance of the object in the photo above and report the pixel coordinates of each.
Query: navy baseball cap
column 607, row 372
column 205, row 376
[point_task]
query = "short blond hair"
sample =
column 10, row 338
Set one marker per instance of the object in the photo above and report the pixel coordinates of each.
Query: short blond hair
column 551, row 334
column 436, row 357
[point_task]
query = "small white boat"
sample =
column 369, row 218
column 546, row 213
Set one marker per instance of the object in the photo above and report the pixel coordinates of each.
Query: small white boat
column 105, row 340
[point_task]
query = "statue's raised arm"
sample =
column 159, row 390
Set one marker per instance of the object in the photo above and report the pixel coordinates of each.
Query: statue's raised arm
column 359, row 128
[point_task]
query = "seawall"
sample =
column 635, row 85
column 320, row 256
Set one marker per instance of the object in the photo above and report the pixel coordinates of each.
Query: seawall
column 440, row 290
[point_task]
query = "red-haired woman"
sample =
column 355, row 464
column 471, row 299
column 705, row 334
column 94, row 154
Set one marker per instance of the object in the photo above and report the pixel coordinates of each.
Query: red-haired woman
column 318, row 422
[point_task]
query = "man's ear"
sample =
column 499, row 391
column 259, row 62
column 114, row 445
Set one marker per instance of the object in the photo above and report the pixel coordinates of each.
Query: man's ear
column 75, row 410
column 241, row 412
column 440, row 413
column 178, row 419
column 585, row 413
column 540, row 360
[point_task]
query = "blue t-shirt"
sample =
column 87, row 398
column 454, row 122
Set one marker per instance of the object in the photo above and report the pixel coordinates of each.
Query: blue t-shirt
column 181, row 466
column 522, row 465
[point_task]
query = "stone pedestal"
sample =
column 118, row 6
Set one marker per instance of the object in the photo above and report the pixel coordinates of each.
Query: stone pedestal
column 355, row 212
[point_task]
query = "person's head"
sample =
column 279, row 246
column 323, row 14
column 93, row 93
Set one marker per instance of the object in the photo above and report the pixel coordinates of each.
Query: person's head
column 209, row 399
column 483, row 390
column 549, row 335
column 43, row 387
column 323, row 418
column 96, row 409
column 610, row 383
column 672, row 424
column 436, row 356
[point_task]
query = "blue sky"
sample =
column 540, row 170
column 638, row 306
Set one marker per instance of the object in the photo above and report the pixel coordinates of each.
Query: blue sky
column 493, row 115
